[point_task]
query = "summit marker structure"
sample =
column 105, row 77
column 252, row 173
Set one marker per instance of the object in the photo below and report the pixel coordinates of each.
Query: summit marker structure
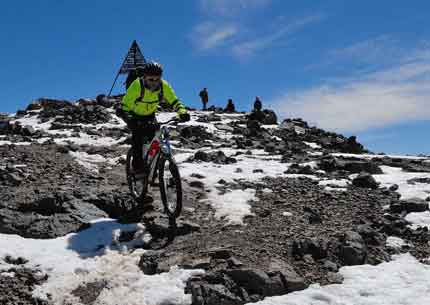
column 133, row 59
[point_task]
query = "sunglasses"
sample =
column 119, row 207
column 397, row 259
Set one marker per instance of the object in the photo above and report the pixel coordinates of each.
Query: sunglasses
column 152, row 80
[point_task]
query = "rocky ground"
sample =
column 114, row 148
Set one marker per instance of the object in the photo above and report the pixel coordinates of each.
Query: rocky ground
column 62, row 166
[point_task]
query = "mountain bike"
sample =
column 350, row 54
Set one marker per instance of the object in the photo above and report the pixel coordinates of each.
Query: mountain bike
column 158, row 161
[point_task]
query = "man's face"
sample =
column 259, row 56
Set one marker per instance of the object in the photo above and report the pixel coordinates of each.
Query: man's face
column 152, row 82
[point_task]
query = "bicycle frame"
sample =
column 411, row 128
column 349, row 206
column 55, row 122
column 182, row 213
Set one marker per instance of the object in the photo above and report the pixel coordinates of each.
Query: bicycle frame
column 160, row 144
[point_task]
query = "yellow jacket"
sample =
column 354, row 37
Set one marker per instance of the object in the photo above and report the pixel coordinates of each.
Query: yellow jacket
column 133, row 101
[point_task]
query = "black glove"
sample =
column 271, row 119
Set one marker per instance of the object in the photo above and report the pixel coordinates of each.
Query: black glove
column 184, row 117
column 122, row 114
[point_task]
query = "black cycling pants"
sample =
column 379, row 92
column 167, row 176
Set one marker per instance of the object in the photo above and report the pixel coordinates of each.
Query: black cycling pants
column 143, row 130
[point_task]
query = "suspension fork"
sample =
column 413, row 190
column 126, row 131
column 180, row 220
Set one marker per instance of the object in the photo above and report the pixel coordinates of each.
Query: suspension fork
column 153, row 166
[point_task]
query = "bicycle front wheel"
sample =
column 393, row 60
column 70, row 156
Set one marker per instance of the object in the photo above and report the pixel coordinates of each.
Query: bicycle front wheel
column 170, row 186
column 138, row 187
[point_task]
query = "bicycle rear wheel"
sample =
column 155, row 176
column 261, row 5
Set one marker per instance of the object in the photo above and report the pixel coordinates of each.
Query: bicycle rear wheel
column 170, row 186
column 138, row 187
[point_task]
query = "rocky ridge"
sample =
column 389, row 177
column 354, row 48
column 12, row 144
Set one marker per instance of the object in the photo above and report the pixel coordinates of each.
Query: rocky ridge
column 62, row 167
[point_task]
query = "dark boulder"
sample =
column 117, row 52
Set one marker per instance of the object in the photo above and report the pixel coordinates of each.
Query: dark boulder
column 353, row 250
column 410, row 205
column 365, row 180
column 266, row 117
column 216, row 157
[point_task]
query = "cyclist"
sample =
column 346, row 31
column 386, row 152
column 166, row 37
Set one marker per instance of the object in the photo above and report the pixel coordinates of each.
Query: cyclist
column 139, row 105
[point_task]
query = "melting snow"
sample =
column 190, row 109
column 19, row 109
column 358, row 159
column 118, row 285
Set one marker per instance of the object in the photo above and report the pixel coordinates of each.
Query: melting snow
column 395, row 242
column 402, row 281
column 92, row 161
column 419, row 219
column 86, row 257
column 14, row 143
column 395, row 175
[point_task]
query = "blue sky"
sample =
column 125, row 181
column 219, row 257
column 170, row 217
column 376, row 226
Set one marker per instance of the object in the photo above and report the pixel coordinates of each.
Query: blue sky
column 355, row 67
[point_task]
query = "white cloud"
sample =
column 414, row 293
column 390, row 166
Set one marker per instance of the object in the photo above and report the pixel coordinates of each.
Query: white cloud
column 230, row 8
column 210, row 35
column 250, row 47
column 383, row 47
column 393, row 95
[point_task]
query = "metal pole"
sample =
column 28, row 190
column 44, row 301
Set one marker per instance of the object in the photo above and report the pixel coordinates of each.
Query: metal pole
column 113, row 83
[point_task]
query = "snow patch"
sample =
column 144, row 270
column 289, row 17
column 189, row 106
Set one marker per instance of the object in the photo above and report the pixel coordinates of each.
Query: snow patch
column 402, row 281
column 233, row 205
column 395, row 242
column 395, row 175
column 87, row 256
column 313, row 145
column 419, row 219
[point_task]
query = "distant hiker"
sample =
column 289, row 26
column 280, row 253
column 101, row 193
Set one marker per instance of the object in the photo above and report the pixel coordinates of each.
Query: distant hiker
column 257, row 104
column 139, row 105
column 230, row 106
column 204, row 97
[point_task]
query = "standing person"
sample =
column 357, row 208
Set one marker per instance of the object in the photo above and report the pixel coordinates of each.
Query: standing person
column 140, row 104
column 230, row 106
column 204, row 97
column 257, row 104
